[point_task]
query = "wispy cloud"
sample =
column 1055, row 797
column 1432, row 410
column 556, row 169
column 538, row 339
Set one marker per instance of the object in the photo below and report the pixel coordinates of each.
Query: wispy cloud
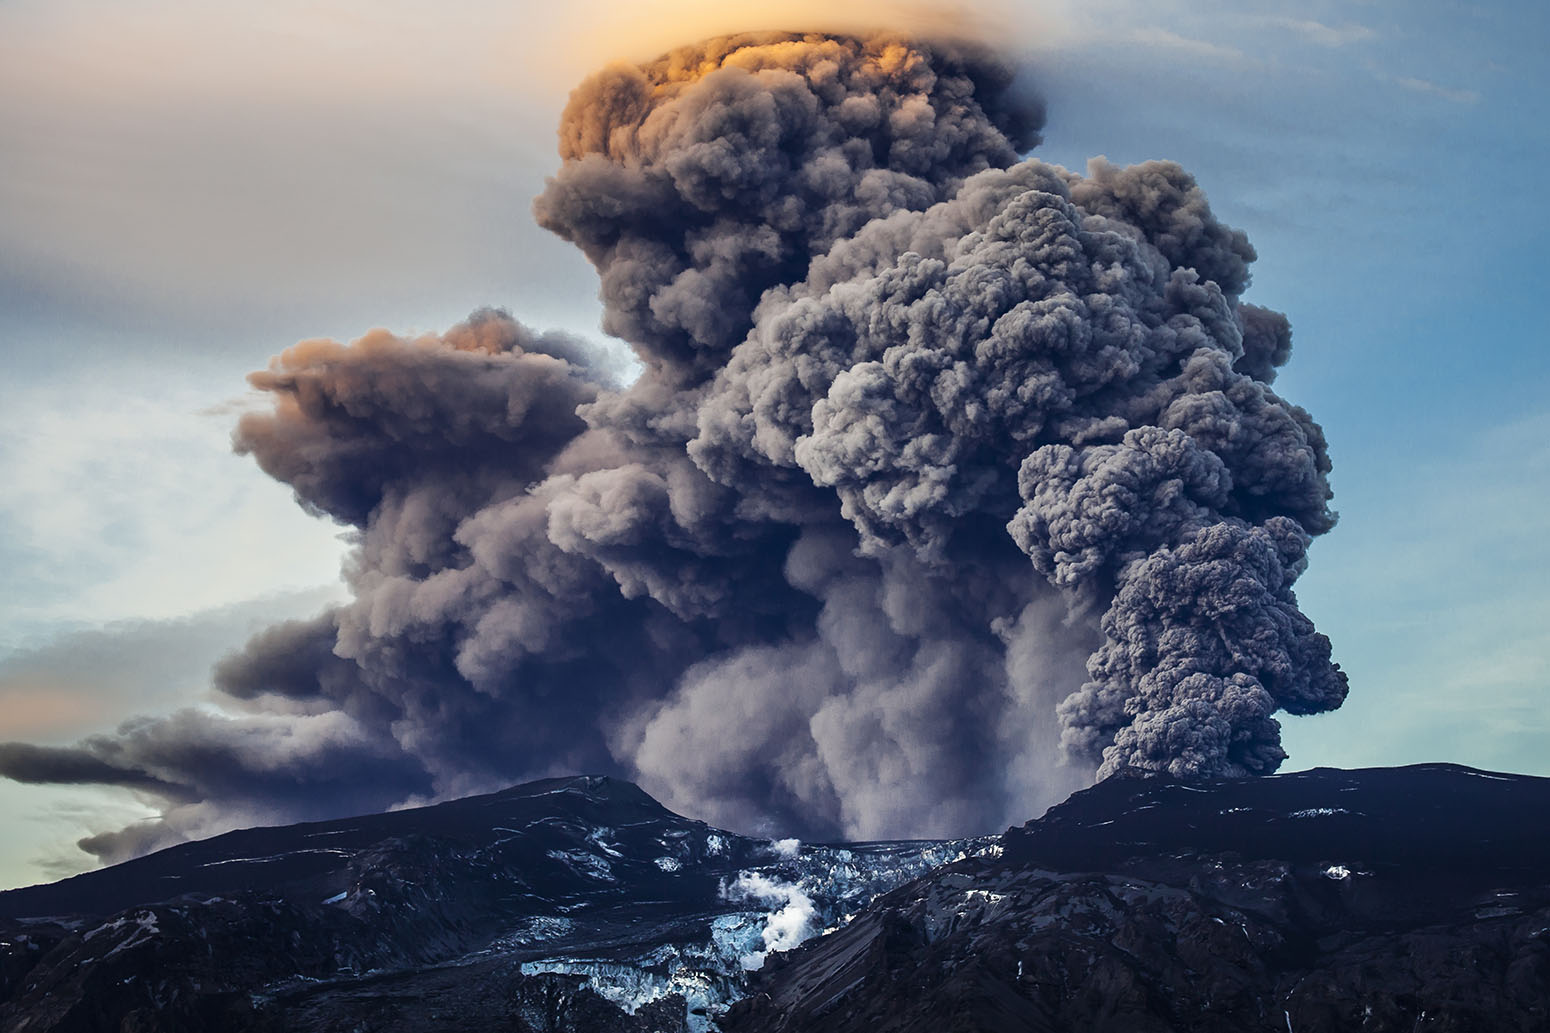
column 1318, row 33
column 1163, row 39
column 1437, row 90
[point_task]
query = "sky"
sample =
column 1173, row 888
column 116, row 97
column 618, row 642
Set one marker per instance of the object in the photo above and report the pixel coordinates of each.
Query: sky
column 191, row 188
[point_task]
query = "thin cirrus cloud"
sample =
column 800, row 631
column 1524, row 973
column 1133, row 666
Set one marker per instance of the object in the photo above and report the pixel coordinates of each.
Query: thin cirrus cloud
column 1167, row 40
column 1430, row 88
column 1318, row 33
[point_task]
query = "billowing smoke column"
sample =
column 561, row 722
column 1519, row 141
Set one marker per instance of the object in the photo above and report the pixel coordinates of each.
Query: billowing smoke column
column 950, row 481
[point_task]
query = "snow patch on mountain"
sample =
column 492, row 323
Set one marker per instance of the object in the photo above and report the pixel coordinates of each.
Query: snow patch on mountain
column 145, row 928
column 583, row 863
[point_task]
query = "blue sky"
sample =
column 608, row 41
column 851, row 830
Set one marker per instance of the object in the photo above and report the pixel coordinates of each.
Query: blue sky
column 192, row 187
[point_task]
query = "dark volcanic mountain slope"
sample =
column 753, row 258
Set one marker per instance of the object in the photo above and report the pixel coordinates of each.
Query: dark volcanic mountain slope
column 568, row 904
column 324, row 858
column 1382, row 900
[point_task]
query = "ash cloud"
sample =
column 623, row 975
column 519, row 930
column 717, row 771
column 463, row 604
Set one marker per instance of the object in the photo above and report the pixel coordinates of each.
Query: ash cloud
column 696, row 182
column 951, row 481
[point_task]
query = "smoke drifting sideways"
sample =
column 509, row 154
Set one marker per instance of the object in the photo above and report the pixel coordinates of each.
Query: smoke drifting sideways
column 950, row 481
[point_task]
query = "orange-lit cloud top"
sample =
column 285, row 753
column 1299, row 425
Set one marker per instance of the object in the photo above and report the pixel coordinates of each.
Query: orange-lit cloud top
column 611, row 31
column 627, row 111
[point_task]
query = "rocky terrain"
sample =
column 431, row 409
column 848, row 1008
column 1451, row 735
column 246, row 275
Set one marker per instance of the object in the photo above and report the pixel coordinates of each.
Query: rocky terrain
column 1399, row 899
column 568, row 904
column 1381, row 900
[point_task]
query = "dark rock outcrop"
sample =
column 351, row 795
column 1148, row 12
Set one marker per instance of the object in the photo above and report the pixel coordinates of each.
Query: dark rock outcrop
column 1382, row 900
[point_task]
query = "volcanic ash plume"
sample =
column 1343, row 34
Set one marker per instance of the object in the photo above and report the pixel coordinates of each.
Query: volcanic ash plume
column 950, row 481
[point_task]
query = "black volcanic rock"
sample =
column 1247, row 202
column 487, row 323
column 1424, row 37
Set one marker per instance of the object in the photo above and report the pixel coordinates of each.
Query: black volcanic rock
column 577, row 904
column 323, row 857
column 1380, row 900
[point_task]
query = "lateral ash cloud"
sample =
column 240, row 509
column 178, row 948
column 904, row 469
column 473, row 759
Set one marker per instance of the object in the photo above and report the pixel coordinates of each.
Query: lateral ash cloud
column 952, row 481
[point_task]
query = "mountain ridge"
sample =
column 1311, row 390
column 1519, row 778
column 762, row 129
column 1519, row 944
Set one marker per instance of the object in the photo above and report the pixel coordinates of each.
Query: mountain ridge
column 83, row 889
column 1384, row 899
column 1380, row 899
column 583, row 890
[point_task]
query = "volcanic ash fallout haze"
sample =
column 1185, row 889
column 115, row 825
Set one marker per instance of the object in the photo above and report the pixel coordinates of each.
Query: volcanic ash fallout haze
column 950, row 482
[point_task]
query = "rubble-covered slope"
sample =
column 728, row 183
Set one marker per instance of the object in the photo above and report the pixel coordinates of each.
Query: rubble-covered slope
column 1398, row 899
